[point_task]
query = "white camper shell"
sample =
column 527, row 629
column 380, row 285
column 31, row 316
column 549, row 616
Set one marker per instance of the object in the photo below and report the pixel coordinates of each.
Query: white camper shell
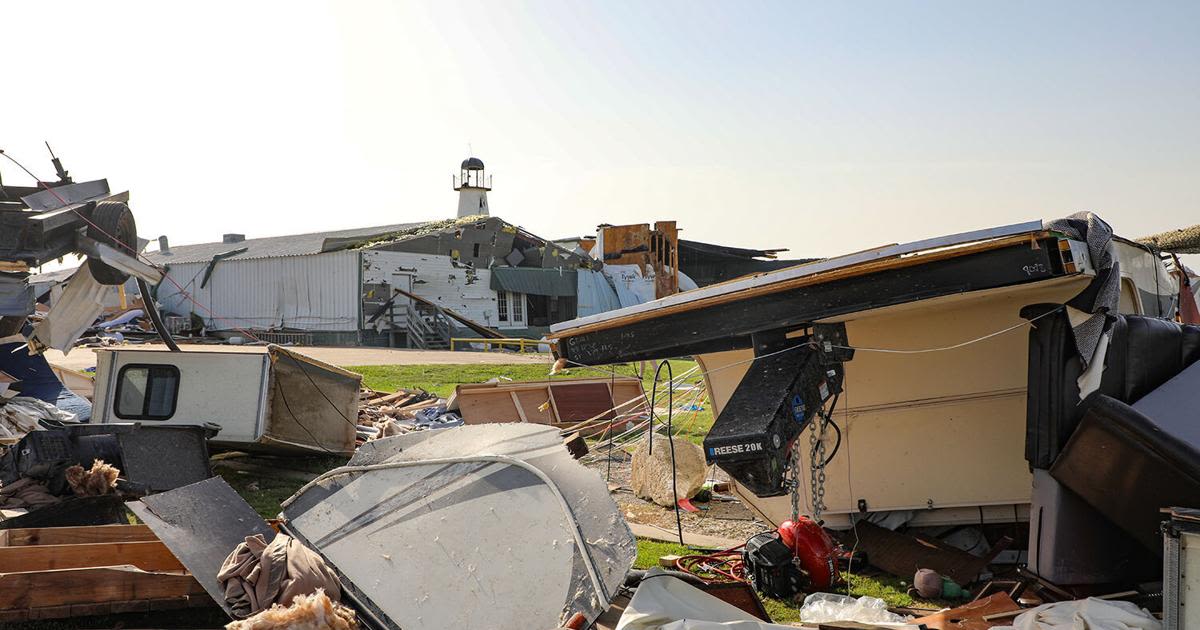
column 266, row 399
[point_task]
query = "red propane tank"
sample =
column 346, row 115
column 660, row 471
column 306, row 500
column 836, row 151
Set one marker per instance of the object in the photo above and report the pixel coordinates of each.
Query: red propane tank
column 813, row 549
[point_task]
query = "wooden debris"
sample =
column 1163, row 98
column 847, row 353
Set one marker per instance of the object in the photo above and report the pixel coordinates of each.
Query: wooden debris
column 379, row 410
column 902, row 554
column 63, row 572
column 588, row 404
column 972, row 616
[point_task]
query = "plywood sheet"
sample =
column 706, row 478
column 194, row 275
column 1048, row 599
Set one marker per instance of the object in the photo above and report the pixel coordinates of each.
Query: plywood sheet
column 534, row 405
column 583, row 401
column 484, row 407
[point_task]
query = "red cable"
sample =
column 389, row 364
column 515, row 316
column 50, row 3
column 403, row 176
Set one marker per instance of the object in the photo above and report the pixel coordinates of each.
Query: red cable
column 711, row 567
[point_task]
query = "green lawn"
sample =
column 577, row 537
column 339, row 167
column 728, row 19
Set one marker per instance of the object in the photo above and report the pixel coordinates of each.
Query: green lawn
column 886, row 587
column 442, row 379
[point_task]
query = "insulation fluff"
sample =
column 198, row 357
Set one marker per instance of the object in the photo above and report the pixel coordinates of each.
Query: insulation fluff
column 100, row 479
column 307, row 612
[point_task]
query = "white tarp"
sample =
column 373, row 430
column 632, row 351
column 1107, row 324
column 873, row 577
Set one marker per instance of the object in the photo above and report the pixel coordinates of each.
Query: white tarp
column 595, row 294
column 484, row 526
column 662, row 602
column 1086, row 614
column 634, row 288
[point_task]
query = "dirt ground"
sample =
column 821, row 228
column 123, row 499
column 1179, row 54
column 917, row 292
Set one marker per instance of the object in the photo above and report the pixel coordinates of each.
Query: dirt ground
column 722, row 517
column 83, row 358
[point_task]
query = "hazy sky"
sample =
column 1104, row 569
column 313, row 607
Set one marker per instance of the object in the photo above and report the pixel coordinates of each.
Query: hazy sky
column 824, row 128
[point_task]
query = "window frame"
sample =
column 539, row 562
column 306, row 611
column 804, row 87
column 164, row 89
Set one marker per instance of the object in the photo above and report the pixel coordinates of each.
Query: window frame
column 511, row 310
column 150, row 367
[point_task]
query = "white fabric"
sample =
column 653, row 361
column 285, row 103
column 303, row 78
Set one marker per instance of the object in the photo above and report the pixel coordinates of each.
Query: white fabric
column 633, row 288
column 72, row 313
column 1086, row 614
column 662, row 602
column 1089, row 380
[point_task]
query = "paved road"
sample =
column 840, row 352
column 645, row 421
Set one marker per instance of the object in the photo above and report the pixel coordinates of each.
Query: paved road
column 81, row 358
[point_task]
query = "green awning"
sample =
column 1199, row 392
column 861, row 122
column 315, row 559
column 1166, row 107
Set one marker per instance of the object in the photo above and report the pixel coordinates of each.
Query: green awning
column 532, row 281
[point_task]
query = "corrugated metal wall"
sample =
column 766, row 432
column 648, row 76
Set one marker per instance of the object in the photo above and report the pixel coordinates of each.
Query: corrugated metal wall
column 316, row 292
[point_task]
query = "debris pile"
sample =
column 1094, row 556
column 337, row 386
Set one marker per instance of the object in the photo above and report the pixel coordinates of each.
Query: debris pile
column 384, row 415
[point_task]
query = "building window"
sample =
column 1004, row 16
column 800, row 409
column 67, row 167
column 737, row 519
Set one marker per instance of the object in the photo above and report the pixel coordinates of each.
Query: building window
column 510, row 309
column 147, row 392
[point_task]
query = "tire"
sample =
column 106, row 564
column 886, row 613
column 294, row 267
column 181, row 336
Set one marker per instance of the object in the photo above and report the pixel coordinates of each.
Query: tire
column 117, row 229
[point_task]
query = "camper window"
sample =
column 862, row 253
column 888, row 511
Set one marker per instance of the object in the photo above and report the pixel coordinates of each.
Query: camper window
column 147, row 392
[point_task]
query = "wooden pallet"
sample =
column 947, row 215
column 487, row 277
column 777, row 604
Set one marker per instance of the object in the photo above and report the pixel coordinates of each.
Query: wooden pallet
column 62, row 572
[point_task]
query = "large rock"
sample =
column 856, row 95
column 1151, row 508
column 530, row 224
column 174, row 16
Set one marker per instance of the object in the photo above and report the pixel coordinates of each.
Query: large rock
column 651, row 474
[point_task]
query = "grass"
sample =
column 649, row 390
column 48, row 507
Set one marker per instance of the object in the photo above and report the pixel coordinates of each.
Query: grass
column 442, row 379
column 889, row 588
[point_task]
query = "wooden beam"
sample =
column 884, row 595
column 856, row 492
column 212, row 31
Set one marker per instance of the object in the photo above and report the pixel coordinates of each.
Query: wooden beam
column 517, row 404
column 40, row 589
column 863, row 268
column 726, row 322
column 147, row 555
column 75, row 535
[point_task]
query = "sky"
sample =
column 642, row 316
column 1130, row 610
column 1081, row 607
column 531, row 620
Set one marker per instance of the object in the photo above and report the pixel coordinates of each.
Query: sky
column 824, row 128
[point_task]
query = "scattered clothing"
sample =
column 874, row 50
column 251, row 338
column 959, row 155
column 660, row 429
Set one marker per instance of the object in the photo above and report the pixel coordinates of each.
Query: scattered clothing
column 307, row 612
column 258, row 575
column 26, row 493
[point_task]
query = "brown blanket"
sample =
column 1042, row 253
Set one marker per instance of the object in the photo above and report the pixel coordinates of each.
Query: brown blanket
column 257, row 574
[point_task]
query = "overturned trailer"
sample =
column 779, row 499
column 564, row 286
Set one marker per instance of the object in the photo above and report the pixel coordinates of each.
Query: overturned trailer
column 930, row 419
column 263, row 399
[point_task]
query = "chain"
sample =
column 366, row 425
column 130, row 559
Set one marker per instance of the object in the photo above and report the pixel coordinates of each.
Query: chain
column 816, row 441
column 793, row 479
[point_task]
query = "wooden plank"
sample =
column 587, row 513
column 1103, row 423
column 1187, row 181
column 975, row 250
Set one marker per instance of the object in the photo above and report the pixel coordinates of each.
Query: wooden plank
column 553, row 405
column 577, row 402
column 972, row 616
column 145, row 555
column 104, row 608
column 42, row 589
column 487, row 407
column 77, row 535
column 517, row 404
column 902, row 554
column 531, row 402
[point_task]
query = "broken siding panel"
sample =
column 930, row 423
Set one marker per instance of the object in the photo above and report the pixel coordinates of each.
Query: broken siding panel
column 443, row 281
column 317, row 292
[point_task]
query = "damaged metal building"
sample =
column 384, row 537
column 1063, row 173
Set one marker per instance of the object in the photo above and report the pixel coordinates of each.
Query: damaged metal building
column 337, row 288
column 413, row 284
